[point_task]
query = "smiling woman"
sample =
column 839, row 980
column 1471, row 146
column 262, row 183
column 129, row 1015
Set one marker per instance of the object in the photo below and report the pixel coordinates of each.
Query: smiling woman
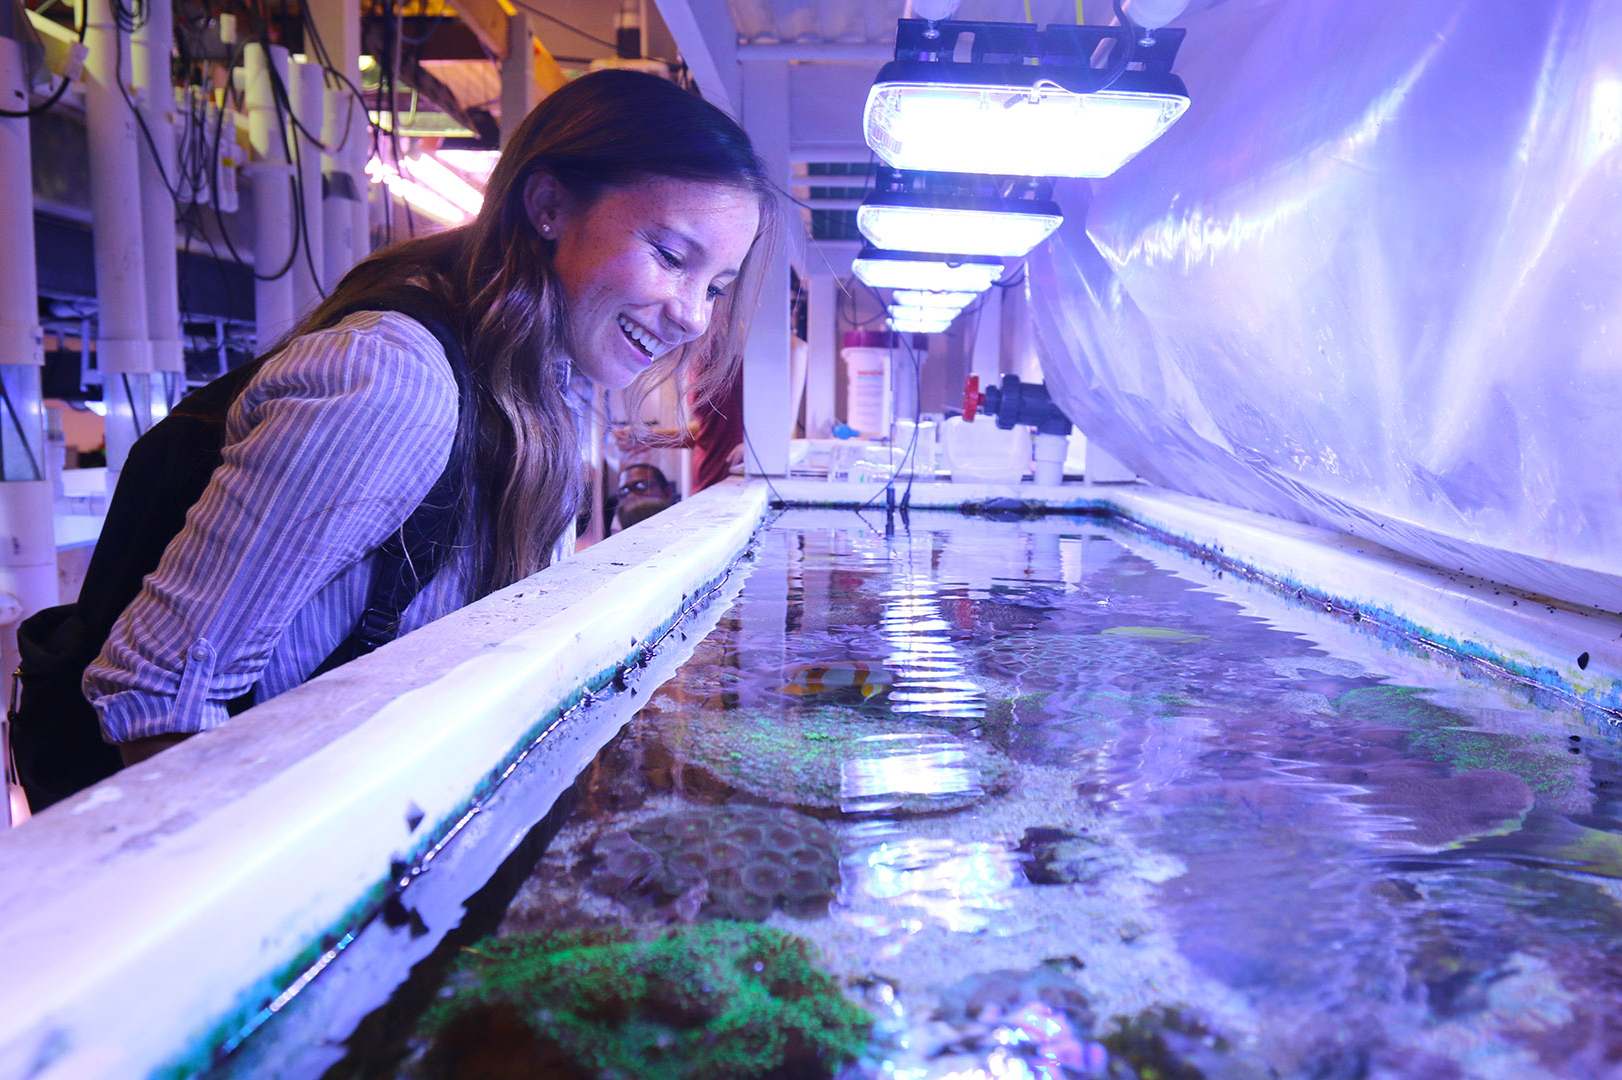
column 620, row 240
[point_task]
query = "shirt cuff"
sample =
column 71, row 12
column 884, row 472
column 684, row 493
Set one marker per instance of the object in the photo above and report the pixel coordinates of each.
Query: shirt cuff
column 136, row 714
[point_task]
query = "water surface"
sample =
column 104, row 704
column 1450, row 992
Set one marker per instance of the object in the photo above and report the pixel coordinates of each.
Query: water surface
column 1048, row 808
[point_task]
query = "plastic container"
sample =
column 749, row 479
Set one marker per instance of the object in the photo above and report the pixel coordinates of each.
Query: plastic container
column 918, row 451
column 867, row 382
column 980, row 452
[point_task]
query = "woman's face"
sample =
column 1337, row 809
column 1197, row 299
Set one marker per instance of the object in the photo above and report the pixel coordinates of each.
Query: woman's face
column 642, row 266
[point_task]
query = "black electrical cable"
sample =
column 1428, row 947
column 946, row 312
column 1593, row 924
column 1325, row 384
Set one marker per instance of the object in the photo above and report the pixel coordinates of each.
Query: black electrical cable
column 56, row 95
column 219, row 214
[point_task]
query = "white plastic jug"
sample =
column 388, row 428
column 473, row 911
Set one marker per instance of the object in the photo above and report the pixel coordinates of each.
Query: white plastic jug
column 980, row 452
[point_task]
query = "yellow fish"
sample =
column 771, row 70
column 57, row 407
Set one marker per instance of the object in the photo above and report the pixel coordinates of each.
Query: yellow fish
column 805, row 679
column 1150, row 633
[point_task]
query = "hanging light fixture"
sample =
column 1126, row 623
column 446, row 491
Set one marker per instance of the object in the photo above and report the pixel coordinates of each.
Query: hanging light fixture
column 925, row 270
column 980, row 215
column 915, row 322
column 938, row 301
column 911, row 311
column 1024, row 102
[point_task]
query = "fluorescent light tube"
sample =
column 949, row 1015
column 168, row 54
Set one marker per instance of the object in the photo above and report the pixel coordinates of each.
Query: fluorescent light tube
column 954, row 301
column 435, row 206
column 920, row 270
column 478, row 164
column 1041, row 129
column 980, row 226
column 434, row 176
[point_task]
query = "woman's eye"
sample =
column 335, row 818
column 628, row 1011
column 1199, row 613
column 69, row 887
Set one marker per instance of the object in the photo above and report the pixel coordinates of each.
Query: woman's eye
column 671, row 259
column 716, row 293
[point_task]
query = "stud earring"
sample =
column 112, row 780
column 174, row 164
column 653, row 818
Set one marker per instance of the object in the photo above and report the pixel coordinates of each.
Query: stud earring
column 546, row 231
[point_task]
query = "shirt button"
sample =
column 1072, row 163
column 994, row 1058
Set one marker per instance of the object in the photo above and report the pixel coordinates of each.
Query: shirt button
column 199, row 652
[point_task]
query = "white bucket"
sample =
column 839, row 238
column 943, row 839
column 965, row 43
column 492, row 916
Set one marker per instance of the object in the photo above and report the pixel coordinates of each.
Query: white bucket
column 867, row 390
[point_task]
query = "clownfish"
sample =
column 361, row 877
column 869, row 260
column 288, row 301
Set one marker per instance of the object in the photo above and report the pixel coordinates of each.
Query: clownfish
column 805, row 679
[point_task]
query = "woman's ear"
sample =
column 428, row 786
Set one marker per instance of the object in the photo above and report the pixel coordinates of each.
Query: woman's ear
column 546, row 202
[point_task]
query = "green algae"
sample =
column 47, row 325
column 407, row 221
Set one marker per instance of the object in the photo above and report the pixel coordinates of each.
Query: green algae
column 802, row 760
column 720, row 1000
column 1449, row 737
column 1150, row 633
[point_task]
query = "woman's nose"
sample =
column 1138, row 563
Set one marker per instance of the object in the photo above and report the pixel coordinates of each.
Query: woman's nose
column 689, row 310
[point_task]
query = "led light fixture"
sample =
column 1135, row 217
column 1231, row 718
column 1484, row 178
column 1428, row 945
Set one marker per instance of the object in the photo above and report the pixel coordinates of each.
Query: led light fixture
column 957, row 212
column 1027, row 102
column 923, row 270
column 908, row 313
column 981, row 226
column 914, row 325
column 954, row 301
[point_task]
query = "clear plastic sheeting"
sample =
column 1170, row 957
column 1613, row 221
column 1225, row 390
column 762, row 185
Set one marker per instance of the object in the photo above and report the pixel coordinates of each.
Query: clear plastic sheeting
column 1369, row 281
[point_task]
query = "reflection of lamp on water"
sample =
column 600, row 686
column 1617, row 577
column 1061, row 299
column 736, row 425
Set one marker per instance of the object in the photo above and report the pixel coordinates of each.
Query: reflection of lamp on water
column 960, row 885
column 902, row 765
column 930, row 678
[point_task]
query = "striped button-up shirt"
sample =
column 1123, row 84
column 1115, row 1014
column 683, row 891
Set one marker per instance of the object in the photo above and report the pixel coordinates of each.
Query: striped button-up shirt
column 327, row 451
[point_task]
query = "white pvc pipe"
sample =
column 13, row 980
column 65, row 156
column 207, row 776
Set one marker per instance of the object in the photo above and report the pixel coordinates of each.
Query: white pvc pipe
column 27, row 534
column 339, row 194
column 150, row 52
column 309, row 102
column 337, row 22
column 122, row 349
column 272, row 194
column 1049, row 453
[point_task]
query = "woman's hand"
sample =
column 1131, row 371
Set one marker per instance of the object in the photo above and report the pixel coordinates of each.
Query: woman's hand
column 137, row 750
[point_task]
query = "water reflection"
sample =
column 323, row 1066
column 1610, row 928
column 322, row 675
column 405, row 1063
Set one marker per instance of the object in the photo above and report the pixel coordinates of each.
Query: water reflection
column 960, row 886
column 893, row 766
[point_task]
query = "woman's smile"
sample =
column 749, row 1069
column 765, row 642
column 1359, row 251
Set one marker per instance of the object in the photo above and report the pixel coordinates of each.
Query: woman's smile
column 642, row 265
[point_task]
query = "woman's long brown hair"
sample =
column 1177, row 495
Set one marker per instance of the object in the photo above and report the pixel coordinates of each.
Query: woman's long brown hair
column 520, row 448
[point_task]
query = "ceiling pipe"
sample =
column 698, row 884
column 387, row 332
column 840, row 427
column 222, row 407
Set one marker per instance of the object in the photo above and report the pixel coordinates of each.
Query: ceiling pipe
column 309, row 262
column 27, row 533
column 150, row 49
column 272, row 195
column 123, row 349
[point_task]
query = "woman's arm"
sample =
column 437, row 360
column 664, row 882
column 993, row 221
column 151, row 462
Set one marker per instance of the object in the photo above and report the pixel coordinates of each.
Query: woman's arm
column 329, row 449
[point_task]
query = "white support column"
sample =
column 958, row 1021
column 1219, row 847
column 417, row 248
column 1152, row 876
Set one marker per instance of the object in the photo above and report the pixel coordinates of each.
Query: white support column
column 154, row 40
column 821, row 367
column 309, row 101
column 27, row 537
column 272, row 196
column 122, row 349
column 337, row 24
column 707, row 38
column 766, row 390
column 517, row 75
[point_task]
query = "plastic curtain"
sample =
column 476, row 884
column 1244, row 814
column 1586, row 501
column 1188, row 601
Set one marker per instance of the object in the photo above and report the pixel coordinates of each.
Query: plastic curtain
column 1372, row 280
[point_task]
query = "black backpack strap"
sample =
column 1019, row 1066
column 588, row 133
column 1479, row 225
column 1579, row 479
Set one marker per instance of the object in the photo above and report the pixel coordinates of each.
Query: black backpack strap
column 408, row 560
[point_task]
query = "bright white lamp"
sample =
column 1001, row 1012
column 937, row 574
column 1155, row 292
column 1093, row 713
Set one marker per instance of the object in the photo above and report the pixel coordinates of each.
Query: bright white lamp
column 1008, row 228
column 940, row 301
column 1023, row 101
column 916, row 324
column 925, row 270
column 908, row 313
column 1041, row 129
